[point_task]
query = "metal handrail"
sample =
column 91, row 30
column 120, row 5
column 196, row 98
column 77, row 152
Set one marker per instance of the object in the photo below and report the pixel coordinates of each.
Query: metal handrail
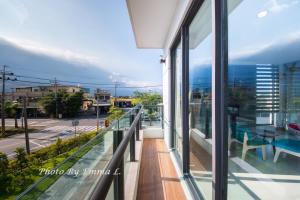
column 102, row 187
column 100, row 134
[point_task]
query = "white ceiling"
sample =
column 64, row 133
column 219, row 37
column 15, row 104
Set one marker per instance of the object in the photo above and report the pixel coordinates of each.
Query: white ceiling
column 150, row 20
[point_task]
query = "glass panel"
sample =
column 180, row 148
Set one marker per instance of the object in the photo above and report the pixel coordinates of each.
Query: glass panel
column 200, row 99
column 110, row 194
column 75, row 178
column 124, row 121
column 127, row 165
column 264, row 99
column 152, row 116
column 178, row 97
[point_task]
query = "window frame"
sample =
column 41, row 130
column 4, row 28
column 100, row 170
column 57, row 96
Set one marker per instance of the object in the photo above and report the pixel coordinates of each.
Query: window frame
column 219, row 84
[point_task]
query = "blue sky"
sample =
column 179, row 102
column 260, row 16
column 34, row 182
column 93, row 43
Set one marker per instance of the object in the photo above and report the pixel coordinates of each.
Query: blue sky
column 93, row 39
column 258, row 27
column 83, row 32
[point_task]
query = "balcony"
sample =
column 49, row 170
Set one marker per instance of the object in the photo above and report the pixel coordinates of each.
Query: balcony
column 127, row 160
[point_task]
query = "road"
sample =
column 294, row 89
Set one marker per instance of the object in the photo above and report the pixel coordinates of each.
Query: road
column 51, row 129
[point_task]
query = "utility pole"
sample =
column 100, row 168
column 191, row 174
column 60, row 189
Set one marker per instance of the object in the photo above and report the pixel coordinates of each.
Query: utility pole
column 55, row 94
column 116, row 85
column 4, row 78
column 115, row 101
column 26, row 125
column 97, row 99
column 22, row 119
column 3, row 102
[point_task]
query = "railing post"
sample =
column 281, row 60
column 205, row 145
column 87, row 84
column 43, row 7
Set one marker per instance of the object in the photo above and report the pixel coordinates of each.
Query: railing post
column 137, row 111
column 119, row 179
column 132, row 141
column 140, row 121
column 162, row 117
column 137, row 130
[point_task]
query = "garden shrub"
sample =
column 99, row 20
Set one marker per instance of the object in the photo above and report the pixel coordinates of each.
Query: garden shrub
column 4, row 178
column 21, row 172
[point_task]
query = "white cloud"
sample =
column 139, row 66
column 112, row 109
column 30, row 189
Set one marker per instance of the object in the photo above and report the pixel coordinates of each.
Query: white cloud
column 130, row 82
column 246, row 52
column 278, row 7
column 286, row 43
column 64, row 54
column 262, row 14
column 110, row 65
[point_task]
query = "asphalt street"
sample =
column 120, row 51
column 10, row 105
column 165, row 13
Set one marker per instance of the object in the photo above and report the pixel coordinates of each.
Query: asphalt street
column 50, row 130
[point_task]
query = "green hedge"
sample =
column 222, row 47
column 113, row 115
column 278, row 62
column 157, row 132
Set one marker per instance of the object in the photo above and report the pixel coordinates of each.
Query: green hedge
column 60, row 147
column 18, row 174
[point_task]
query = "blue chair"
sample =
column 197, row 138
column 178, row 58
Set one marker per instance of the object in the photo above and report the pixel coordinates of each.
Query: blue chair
column 288, row 146
column 245, row 136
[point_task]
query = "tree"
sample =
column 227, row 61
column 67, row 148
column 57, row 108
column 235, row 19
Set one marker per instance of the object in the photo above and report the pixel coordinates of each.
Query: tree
column 48, row 103
column 114, row 113
column 72, row 104
column 21, row 159
column 147, row 98
column 11, row 109
column 150, row 101
column 67, row 104
column 21, row 170
column 4, row 178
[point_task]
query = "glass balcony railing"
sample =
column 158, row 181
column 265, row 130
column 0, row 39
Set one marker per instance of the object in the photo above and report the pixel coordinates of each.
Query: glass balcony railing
column 78, row 175
column 153, row 116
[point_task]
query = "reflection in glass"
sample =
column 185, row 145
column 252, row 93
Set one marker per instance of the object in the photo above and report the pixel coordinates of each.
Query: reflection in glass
column 264, row 99
column 200, row 99
column 178, row 97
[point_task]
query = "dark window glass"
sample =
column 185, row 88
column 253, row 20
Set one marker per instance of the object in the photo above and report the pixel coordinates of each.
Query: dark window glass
column 264, row 99
column 178, row 97
column 200, row 99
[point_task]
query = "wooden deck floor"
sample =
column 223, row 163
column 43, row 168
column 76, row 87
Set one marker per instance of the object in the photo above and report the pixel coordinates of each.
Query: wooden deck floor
column 158, row 179
column 200, row 160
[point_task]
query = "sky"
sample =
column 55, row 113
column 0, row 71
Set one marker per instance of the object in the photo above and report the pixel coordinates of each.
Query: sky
column 89, row 36
column 265, row 27
column 92, row 41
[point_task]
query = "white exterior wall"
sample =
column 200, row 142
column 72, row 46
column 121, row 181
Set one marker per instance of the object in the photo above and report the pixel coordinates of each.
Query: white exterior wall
column 178, row 17
column 166, row 99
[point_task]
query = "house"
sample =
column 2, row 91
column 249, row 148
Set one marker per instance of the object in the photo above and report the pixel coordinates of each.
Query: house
column 102, row 101
column 122, row 102
column 35, row 93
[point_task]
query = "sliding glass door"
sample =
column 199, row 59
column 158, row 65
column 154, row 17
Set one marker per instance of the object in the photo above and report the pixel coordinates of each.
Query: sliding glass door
column 200, row 74
column 264, row 99
column 178, row 99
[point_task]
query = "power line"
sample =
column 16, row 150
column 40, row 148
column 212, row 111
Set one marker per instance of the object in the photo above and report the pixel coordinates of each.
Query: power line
column 75, row 82
column 33, row 82
column 22, row 76
column 84, row 83
column 111, row 87
column 43, row 72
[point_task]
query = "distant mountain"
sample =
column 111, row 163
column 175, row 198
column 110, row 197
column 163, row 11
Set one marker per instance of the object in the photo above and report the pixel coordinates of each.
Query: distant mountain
column 27, row 63
column 280, row 52
column 242, row 66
